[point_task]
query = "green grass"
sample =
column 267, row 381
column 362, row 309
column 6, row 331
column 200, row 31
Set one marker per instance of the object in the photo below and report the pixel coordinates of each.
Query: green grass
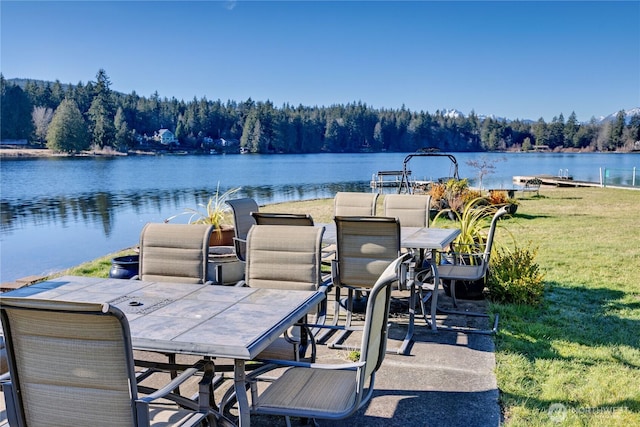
column 580, row 348
column 96, row 268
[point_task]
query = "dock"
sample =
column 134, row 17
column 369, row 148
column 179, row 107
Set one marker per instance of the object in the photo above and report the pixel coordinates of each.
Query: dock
column 555, row 181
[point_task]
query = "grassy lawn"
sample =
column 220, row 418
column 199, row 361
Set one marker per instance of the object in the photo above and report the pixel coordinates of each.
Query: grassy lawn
column 575, row 360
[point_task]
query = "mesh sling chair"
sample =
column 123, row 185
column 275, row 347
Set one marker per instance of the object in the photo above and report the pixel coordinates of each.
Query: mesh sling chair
column 347, row 203
column 411, row 209
column 334, row 391
column 464, row 267
column 365, row 247
column 269, row 218
column 242, row 221
column 175, row 253
column 354, row 204
column 284, row 257
column 71, row 363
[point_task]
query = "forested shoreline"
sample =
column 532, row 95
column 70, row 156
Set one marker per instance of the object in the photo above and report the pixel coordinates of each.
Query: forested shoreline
column 74, row 118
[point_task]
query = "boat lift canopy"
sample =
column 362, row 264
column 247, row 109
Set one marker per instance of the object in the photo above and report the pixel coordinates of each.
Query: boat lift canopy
column 405, row 184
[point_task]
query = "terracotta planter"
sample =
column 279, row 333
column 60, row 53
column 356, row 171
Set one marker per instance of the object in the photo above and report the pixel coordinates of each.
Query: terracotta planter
column 222, row 237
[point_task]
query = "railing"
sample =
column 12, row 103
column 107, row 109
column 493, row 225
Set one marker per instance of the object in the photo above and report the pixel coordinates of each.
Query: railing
column 619, row 177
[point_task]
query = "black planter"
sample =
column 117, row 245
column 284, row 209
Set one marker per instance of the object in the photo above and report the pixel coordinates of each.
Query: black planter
column 465, row 290
column 124, row 267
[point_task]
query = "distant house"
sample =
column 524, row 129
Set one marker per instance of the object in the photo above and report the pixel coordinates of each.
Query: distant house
column 166, row 137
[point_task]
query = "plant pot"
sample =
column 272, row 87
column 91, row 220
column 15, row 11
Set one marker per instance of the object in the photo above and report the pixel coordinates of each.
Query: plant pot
column 124, row 267
column 223, row 236
column 465, row 290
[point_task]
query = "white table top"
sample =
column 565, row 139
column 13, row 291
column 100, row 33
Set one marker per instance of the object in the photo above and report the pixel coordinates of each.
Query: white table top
column 217, row 321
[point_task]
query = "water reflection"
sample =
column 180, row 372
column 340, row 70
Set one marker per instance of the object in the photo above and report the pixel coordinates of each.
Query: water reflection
column 103, row 207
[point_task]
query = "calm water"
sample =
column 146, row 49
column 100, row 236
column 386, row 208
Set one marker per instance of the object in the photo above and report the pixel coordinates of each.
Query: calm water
column 60, row 212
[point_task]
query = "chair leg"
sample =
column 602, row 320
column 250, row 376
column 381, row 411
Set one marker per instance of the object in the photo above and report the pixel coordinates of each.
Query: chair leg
column 322, row 336
column 452, row 287
column 425, row 297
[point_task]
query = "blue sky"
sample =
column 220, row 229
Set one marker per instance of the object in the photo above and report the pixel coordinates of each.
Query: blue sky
column 511, row 59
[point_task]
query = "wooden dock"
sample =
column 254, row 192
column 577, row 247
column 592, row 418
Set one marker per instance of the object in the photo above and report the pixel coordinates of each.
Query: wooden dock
column 555, row 181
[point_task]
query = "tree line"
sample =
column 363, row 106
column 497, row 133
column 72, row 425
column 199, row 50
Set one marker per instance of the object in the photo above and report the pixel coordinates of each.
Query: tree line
column 73, row 118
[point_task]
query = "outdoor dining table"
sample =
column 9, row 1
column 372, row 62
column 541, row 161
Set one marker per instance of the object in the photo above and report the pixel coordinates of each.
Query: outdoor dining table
column 210, row 321
column 418, row 240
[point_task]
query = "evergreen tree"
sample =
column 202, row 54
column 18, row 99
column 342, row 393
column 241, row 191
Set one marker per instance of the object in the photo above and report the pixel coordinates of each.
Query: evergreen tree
column 571, row 131
column 123, row 137
column 68, row 131
column 617, row 130
column 15, row 113
column 102, row 112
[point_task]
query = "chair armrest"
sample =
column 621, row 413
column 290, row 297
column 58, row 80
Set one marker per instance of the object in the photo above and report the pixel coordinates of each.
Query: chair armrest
column 333, row 366
column 169, row 387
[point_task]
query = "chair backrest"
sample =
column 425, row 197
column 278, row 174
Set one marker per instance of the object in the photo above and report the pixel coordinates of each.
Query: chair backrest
column 411, row 209
column 365, row 247
column 492, row 231
column 268, row 218
column 70, row 363
column 374, row 335
column 174, row 252
column 354, row 204
column 284, row 257
column 243, row 221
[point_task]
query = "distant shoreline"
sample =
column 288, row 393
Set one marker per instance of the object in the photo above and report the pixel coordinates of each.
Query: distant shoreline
column 15, row 152
column 21, row 152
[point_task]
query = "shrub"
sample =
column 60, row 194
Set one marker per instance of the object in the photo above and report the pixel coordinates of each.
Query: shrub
column 498, row 197
column 514, row 277
column 436, row 191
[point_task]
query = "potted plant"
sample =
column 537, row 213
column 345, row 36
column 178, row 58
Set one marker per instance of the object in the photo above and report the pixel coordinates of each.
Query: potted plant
column 501, row 198
column 217, row 213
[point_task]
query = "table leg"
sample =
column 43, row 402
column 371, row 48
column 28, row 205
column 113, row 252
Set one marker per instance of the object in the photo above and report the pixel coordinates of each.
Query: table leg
column 241, row 393
column 404, row 348
column 434, row 295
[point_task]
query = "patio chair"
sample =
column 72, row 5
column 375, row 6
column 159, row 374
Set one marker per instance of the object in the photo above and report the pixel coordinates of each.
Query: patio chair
column 243, row 221
column 71, row 363
column 464, row 267
column 411, row 209
column 174, row 252
column 334, row 391
column 177, row 253
column 284, row 257
column 366, row 245
column 354, row 204
column 287, row 257
column 268, row 218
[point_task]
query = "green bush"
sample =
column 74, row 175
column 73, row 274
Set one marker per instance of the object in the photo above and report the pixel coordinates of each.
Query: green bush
column 514, row 277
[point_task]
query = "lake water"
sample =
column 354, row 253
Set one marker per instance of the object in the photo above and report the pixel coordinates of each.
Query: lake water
column 59, row 212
